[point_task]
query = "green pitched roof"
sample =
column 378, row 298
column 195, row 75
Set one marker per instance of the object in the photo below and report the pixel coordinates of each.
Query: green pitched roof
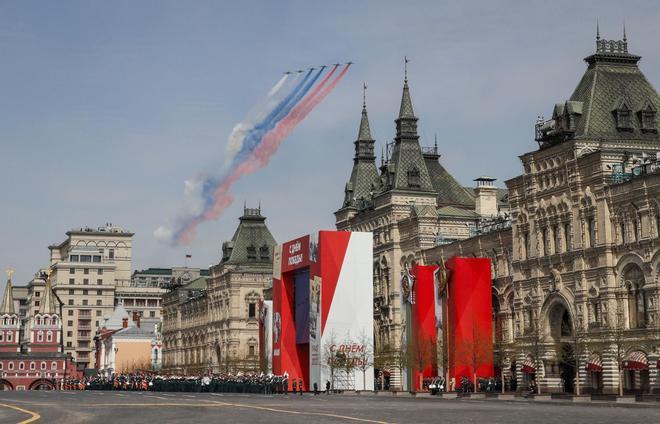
column 407, row 169
column 611, row 80
column 252, row 242
column 454, row 212
column 450, row 192
column 364, row 175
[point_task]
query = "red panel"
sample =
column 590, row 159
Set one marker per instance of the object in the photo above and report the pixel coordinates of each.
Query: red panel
column 424, row 321
column 332, row 249
column 295, row 254
column 469, row 316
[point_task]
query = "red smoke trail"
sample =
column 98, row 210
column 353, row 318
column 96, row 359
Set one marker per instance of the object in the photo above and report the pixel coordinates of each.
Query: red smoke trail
column 274, row 138
column 262, row 154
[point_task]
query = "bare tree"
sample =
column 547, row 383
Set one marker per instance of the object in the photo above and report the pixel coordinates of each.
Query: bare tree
column 402, row 359
column 331, row 360
column 384, row 359
column 421, row 351
column 531, row 344
column 364, row 357
column 474, row 352
column 501, row 351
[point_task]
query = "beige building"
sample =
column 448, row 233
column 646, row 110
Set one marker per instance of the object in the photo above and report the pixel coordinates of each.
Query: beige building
column 89, row 268
column 212, row 323
column 127, row 343
column 410, row 203
column 579, row 269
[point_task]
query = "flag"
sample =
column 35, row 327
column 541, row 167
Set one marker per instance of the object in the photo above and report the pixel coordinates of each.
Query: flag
column 188, row 256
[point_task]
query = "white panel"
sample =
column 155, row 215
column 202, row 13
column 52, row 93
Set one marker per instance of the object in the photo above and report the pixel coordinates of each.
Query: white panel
column 351, row 310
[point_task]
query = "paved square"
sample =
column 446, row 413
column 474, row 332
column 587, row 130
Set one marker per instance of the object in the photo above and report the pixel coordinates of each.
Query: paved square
column 143, row 407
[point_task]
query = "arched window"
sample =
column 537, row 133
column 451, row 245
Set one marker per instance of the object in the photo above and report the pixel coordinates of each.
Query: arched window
column 2, row 336
column 49, row 336
column 53, row 365
column 33, row 366
column 43, row 365
column 11, row 365
column 40, row 336
column 21, row 365
column 633, row 277
column 9, row 336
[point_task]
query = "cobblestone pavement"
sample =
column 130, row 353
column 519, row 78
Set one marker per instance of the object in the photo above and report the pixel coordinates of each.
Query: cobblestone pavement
column 160, row 408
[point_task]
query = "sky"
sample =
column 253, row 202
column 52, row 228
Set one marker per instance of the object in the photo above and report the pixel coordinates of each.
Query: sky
column 108, row 107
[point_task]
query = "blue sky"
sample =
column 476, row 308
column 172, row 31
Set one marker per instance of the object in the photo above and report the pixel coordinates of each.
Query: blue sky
column 107, row 107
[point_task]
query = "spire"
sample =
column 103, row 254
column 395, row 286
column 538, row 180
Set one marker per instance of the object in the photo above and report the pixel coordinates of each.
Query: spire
column 48, row 305
column 597, row 30
column 624, row 32
column 7, row 306
column 364, row 133
column 406, row 110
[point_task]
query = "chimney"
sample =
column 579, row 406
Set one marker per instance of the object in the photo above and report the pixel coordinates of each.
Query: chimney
column 124, row 323
column 486, row 202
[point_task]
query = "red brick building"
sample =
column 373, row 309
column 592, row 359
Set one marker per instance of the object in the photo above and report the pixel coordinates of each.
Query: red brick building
column 31, row 357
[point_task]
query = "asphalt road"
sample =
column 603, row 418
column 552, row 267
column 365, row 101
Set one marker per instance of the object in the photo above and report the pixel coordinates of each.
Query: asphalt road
column 160, row 408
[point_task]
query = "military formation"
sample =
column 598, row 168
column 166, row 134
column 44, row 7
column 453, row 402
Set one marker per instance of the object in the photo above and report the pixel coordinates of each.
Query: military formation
column 215, row 383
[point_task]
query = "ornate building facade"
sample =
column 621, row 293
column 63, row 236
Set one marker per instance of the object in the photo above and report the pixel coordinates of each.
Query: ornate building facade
column 410, row 203
column 578, row 273
column 34, row 360
column 213, row 323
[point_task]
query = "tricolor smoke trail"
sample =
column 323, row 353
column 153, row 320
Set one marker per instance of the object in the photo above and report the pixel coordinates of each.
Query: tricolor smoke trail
column 251, row 144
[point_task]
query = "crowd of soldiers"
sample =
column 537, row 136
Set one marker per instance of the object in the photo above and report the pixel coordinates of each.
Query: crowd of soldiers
column 227, row 383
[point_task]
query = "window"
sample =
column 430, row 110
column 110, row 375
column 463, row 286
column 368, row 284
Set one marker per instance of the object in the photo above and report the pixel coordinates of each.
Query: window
column 21, row 365
column 2, row 336
column 72, row 270
column 99, row 271
column 71, row 280
column 11, row 365
column 43, row 365
column 99, row 302
column 152, row 314
column 69, row 333
column 567, row 236
column 71, row 291
column 557, row 233
column 545, row 242
column 70, row 302
column 9, row 336
column 99, row 292
column 622, row 228
column 591, row 228
column 96, row 258
column 37, row 294
column 85, row 292
column 1, row 365
column 264, row 252
column 53, row 365
column 33, row 366
column 635, row 230
column 111, row 253
column 70, row 323
column 99, row 313
column 37, row 303
column 251, row 252
column 73, row 258
column 85, row 258
column 84, row 302
column 414, row 180
column 70, row 312
column 86, row 281
column 85, row 271
column 99, row 281
column 623, row 116
column 647, row 117
column 252, row 310
column 251, row 350
column 69, row 344
column 40, row 336
column 49, row 336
